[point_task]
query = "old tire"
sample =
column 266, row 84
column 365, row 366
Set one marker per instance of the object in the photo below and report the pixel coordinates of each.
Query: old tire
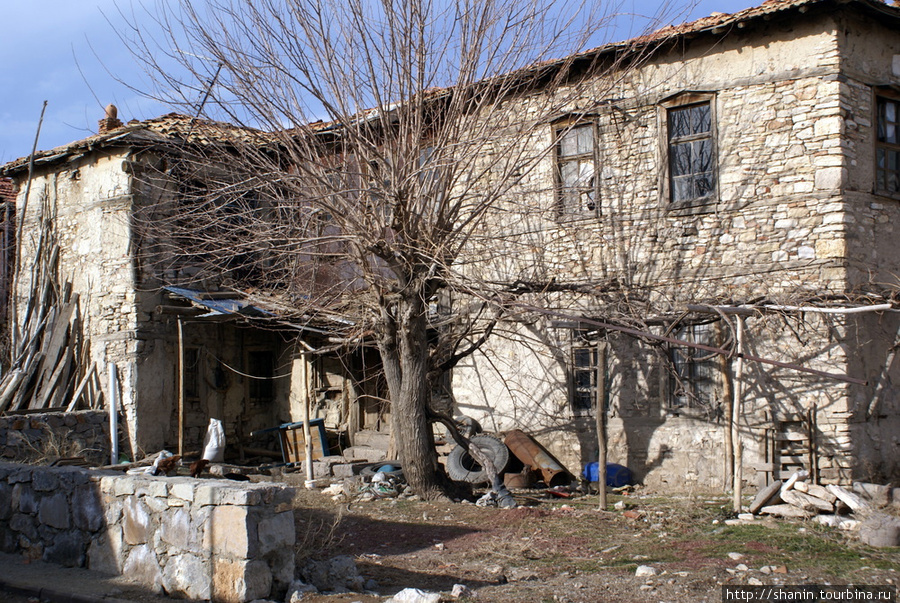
column 369, row 470
column 461, row 467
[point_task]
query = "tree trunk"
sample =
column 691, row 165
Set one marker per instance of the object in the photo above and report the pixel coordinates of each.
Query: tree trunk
column 403, row 345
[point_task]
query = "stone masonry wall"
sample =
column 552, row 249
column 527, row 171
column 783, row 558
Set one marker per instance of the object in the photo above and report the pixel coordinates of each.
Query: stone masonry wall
column 44, row 437
column 794, row 214
column 196, row 538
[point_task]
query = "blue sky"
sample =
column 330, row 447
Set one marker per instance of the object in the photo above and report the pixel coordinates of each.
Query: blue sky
column 69, row 53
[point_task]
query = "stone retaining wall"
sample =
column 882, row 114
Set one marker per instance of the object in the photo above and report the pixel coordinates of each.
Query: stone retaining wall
column 47, row 436
column 196, row 538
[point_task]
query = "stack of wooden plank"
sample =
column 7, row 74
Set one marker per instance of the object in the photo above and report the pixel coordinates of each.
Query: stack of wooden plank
column 48, row 356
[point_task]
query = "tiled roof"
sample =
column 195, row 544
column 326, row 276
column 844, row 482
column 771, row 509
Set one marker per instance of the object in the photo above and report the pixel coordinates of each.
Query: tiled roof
column 7, row 192
column 175, row 128
column 167, row 129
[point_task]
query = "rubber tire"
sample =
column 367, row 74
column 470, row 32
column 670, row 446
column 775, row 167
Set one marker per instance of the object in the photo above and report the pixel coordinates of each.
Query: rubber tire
column 461, row 467
column 467, row 425
column 370, row 470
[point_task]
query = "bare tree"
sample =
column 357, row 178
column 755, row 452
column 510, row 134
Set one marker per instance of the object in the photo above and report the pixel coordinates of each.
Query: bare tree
column 373, row 149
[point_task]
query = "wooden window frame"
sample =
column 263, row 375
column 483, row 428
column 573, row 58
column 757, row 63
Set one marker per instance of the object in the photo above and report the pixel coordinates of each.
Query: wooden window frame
column 681, row 101
column 564, row 211
column 881, row 95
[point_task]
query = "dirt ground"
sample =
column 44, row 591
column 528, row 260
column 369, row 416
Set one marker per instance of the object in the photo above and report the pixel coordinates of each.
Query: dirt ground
column 569, row 551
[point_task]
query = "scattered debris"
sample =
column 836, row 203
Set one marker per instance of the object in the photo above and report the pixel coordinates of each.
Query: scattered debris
column 414, row 595
column 298, row 590
column 461, row 591
column 797, row 498
column 338, row 574
column 880, row 530
column 501, row 499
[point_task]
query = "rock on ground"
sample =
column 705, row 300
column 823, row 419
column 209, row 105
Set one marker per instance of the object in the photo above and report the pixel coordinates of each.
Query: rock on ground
column 414, row 595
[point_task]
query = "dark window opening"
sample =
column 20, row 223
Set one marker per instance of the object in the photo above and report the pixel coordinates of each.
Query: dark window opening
column 693, row 375
column 887, row 147
column 261, row 371
column 692, row 161
column 585, row 372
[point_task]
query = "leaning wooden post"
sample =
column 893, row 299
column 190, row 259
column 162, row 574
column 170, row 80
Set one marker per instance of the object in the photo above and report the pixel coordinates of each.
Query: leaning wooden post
column 736, row 416
column 601, row 426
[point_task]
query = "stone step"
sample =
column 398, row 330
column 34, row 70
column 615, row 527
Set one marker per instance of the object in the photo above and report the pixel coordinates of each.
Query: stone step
column 372, row 439
column 364, row 453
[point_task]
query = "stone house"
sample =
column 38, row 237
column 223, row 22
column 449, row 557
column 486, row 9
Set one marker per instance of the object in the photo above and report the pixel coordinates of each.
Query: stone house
column 187, row 351
column 737, row 192
column 746, row 171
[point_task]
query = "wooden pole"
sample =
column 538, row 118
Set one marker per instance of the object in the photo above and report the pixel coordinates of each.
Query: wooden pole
column 113, row 414
column 307, row 437
column 180, row 388
column 736, row 417
column 601, row 426
column 14, row 332
column 728, row 396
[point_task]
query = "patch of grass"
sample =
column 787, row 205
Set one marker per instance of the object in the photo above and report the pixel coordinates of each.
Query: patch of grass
column 794, row 545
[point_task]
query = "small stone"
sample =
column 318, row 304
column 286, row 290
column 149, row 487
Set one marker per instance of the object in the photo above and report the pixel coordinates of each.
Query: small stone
column 780, row 569
column 461, row 590
column 646, row 587
column 298, row 590
column 736, row 556
column 414, row 595
column 644, row 571
column 765, row 570
column 755, row 582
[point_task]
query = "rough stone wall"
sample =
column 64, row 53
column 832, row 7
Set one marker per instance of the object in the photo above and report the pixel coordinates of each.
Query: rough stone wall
column 90, row 203
column 44, row 437
column 200, row 539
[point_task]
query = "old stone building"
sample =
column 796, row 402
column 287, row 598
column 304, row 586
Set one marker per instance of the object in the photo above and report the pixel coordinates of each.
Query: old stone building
column 184, row 349
column 746, row 167
column 715, row 224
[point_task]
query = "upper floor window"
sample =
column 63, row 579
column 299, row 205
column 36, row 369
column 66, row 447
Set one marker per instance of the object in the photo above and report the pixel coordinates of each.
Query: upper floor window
column 887, row 147
column 576, row 164
column 690, row 149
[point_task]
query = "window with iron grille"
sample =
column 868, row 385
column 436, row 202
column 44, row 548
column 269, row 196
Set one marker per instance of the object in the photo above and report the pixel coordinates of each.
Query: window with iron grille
column 887, row 146
column 693, row 375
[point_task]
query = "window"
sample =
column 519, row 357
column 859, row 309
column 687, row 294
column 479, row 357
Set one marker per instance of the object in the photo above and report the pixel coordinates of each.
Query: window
column 692, row 378
column 260, row 383
column 586, row 372
column 887, row 147
column 576, row 164
column 191, row 374
column 690, row 149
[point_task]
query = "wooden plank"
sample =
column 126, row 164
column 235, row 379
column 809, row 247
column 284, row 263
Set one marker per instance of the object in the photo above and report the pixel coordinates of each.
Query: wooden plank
column 81, row 387
column 40, row 400
column 26, row 387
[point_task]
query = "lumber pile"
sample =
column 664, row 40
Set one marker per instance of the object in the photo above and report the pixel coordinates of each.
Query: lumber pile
column 48, row 357
column 856, row 510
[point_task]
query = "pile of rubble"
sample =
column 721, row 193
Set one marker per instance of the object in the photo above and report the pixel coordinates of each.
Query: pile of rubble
column 863, row 510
